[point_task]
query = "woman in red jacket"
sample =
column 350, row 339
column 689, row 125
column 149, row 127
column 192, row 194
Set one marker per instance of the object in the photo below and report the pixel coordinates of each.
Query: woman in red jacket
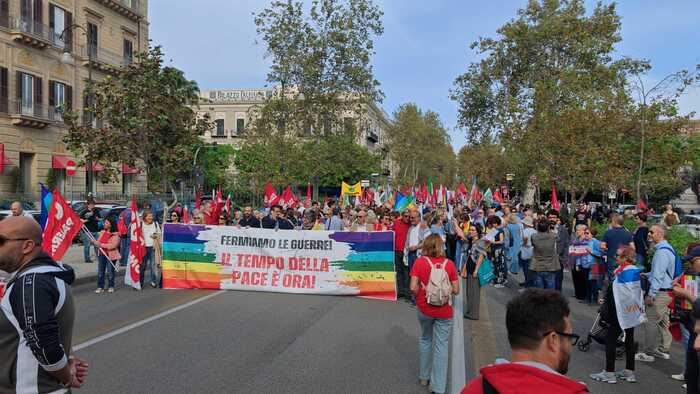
column 108, row 242
column 435, row 321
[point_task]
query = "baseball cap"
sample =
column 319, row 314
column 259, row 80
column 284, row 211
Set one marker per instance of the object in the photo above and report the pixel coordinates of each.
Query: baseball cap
column 693, row 253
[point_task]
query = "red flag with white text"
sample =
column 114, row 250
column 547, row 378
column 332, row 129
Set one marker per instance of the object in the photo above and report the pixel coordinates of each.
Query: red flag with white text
column 271, row 197
column 62, row 225
column 137, row 250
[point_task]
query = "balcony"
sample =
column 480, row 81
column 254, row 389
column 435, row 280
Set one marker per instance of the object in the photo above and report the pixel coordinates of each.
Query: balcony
column 372, row 137
column 31, row 33
column 32, row 115
column 128, row 8
column 102, row 59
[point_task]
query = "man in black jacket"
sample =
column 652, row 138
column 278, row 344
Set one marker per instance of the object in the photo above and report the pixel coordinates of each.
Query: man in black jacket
column 36, row 323
column 248, row 220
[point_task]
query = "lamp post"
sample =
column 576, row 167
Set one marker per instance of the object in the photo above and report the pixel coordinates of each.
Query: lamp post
column 67, row 58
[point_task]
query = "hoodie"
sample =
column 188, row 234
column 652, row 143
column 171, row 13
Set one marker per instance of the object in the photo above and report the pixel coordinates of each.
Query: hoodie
column 36, row 326
column 517, row 378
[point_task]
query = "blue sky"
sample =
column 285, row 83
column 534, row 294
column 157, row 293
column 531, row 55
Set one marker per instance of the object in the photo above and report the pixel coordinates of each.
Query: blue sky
column 424, row 47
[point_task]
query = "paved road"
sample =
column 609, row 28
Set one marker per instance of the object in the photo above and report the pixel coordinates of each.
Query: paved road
column 487, row 339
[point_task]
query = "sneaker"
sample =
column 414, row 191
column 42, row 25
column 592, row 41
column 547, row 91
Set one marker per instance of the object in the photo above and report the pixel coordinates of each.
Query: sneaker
column 679, row 377
column 499, row 285
column 660, row 354
column 99, row 291
column 606, row 377
column 626, row 376
column 110, row 290
column 641, row 356
column 154, row 285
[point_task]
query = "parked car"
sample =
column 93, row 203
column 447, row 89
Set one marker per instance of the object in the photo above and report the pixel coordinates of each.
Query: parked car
column 5, row 206
column 691, row 223
column 626, row 207
column 6, row 212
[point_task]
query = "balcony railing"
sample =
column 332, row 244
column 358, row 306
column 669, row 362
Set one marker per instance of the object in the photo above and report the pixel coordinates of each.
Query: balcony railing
column 31, row 32
column 102, row 57
column 128, row 8
column 30, row 114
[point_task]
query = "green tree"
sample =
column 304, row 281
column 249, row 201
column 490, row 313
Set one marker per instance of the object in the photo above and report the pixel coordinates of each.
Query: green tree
column 320, row 64
column 420, row 147
column 148, row 121
column 484, row 160
column 217, row 163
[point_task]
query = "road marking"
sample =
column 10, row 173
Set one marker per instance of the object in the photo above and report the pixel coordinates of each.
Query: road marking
column 457, row 365
column 140, row 323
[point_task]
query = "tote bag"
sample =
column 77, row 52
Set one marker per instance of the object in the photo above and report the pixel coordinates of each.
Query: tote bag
column 485, row 272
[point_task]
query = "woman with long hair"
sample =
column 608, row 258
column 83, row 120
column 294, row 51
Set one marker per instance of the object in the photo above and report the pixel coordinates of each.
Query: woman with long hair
column 108, row 257
column 474, row 253
column 435, row 321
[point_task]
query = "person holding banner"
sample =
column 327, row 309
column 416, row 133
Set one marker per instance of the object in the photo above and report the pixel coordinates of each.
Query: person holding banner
column 109, row 256
column 435, row 321
column 623, row 310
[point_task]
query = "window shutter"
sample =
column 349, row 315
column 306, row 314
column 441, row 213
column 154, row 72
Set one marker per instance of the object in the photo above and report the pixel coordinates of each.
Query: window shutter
column 38, row 94
column 52, row 94
column 38, row 11
column 25, row 7
column 18, row 94
column 4, row 13
column 3, row 89
column 52, row 15
column 68, row 37
column 69, row 97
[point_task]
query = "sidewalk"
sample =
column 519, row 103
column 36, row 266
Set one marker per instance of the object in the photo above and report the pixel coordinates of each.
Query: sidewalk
column 84, row 272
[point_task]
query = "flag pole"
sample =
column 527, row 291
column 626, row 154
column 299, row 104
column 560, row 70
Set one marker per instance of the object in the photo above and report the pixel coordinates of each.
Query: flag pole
column 92, row 238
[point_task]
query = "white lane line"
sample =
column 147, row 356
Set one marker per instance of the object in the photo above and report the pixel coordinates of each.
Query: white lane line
column 140, row 323
column 457, row 365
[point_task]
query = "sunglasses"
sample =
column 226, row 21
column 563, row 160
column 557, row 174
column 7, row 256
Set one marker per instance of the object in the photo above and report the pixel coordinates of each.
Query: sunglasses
column 574, row 338
column 4, row 240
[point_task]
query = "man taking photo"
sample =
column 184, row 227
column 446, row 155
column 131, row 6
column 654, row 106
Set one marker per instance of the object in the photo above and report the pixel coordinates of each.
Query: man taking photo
column 38, row 312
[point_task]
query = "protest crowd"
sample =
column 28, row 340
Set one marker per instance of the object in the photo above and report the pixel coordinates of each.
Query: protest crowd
column 450, row 242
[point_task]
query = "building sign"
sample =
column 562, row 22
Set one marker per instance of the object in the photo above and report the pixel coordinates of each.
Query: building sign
column 238, row 95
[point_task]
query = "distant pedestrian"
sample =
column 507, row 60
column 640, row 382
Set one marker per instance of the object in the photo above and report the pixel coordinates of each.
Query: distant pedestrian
column 669, row 217
column 641, row 238
column 526, row 250
column 90, row 218
column 401, row 226
column 545, row 259
column 17, row 210
column 435, row 321
column 108, row 256
column 151, row 229
column 475, row 251
column 615, row 237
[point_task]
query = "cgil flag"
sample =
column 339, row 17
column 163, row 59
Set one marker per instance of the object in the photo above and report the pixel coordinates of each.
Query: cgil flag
column 62, row 225
column 271, row 197
column 351, row 190
column 137, row 249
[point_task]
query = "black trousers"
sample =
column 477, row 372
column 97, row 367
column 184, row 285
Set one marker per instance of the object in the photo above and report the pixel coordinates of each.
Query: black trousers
column 401, row 276
column 580, row 278
column 692, row 365
column 611, row 344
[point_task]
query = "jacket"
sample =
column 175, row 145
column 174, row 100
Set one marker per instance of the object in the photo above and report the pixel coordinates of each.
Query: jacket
column 111, row 247
column 544, row 253
column 519, row 378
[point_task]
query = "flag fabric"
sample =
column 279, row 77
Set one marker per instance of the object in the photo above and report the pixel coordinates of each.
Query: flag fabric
column 62, row 225
column 271, row 197
column 430, row 186
column 554, row 201
column 137, row 250
column 497, row 197
column 121, row 226
column 474, row 195
column 351, row 190
column 185, row 215
column 403, row 202
column 227, row 206
column 629, row 298
column 307, row 201
column 488, row 197
column 217, row 206
column 641, row 205
column 46, row 197
column 462, row 190
column 198, row 203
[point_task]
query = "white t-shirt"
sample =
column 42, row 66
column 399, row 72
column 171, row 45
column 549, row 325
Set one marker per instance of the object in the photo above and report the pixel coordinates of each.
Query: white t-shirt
column 148, row 230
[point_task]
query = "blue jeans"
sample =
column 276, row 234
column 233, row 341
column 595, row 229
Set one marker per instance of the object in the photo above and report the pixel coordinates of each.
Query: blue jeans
column 433, row 347
column 124, row 250
column 458, row 254
column 148, row 263
column 412, row 257
column 544, row 279
column 102, row 265
column 86, row 246
column 525, row 266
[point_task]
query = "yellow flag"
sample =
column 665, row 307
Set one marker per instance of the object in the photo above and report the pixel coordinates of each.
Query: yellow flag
column 351, row 190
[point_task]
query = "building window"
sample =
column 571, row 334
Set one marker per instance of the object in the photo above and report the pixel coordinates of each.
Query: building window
column 25, row 172
column 4, row 97
column 240, row 126
column 127, row 183
column 60, row 99
column 5, row 13
column 128, row 52
column 92, row 39
column 219, row 131
column 29, row 94
column 59, row 19
column 31, row 17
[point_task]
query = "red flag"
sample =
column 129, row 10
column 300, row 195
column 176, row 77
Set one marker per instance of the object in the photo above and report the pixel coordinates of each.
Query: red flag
column 462, row 190
column 307, row 202
column 497, row 197
column 137, row 250
column 271, row 198
column 61, row 227
column 554, row 201
column 121, row 226
column 217, row 205
column 641, row 205
column 198, row 203
column 185, row 216
column 287, row 199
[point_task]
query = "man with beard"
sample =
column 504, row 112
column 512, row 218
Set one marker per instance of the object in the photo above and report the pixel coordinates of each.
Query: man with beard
column 248, row 220
column 541, row 340
column 36, row 322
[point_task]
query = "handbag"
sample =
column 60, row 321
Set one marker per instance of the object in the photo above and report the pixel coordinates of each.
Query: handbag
column 485, row 272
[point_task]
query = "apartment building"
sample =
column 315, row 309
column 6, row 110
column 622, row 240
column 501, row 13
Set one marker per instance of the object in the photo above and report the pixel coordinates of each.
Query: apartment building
column 232, row 111
column 49, row 50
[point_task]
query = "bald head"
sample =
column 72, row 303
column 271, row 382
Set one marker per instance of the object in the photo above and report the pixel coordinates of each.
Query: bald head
column 21, row 227
column 16, row 208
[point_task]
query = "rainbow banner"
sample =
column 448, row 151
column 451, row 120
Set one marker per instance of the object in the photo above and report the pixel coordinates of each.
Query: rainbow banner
column 285, row 261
